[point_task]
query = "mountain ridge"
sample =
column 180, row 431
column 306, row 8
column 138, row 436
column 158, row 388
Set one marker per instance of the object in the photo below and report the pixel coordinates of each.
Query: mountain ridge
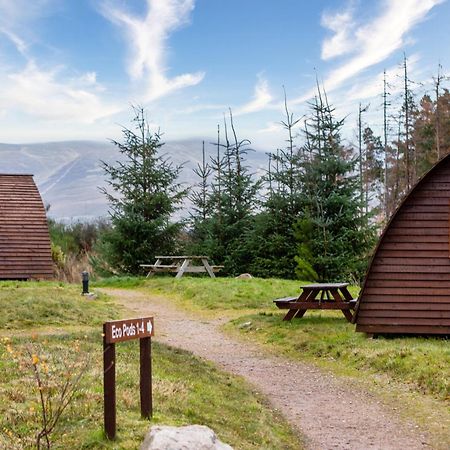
column 69, row 173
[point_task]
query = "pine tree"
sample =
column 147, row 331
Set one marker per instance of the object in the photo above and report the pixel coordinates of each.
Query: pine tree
column 272, row 242
column 143, row 196
column 231, row 201
column 333, row 237
column 373, row 174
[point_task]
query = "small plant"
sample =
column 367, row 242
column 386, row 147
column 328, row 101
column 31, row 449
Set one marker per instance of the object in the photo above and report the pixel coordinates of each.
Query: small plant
column 55, row 380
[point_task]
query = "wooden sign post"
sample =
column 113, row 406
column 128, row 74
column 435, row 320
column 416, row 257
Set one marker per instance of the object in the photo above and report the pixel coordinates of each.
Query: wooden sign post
column 119, row 331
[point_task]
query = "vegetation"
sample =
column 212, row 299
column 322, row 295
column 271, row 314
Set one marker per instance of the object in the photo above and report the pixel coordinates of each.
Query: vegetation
column 34, row 304
column 320, row 336
column 327, row 338
column 143, row 198
column 73, row 247
column 223, row 214
column 314, row 214
column 333, row 233
column 186, row 390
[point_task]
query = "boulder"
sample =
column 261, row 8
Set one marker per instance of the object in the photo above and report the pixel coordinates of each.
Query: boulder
column 244, row 276
column 191, row 437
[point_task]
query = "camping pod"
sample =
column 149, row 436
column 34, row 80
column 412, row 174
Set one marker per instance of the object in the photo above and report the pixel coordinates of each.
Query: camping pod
column 407, row 286
column 25, row 251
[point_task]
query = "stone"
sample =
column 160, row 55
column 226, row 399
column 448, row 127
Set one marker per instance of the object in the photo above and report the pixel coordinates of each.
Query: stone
column 190, row 437
column 244, row 276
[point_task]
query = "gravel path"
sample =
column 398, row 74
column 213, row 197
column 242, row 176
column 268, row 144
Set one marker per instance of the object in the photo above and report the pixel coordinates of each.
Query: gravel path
column 326, row 410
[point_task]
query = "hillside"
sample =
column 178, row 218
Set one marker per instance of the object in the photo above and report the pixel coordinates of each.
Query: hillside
column 69, row 174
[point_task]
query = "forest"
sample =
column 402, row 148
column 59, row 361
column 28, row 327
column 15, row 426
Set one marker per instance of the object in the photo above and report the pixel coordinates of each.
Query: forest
column 314, row 214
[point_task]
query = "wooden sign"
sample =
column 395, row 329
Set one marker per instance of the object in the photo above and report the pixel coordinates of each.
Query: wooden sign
column 125, row 330
column 118, row 331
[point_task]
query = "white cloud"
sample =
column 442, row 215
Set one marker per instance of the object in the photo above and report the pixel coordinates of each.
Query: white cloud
column 375, row 41
column 262, row 98
column 341, row 42
column 15, row 17
column 380, row 38
column 372, row 86
column 271, row 127
column 148, row 41
column 46, row 95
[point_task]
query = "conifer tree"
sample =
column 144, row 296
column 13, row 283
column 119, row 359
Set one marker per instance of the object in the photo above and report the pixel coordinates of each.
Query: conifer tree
column 143, row 195
column 333, row 237
column 272, row 241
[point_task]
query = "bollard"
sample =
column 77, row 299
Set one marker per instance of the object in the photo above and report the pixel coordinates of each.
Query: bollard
column 85, row 278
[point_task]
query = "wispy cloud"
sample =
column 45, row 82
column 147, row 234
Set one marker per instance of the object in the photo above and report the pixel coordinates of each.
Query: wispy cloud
column 45, row 94
column 271, row 127
column 371, row 86
column 373, row 42
column 262, row 98
column 35, row 89
column 147, row 38
column 340, row 43
column 15, row 18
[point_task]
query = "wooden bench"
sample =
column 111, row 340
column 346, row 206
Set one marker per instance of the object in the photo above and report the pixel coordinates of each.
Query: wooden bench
column 280, row 302
column 181, row 265
column 318, row 296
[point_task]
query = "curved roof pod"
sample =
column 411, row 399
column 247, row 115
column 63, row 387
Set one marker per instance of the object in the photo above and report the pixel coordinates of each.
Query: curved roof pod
column 25, row 251
column 407, row 286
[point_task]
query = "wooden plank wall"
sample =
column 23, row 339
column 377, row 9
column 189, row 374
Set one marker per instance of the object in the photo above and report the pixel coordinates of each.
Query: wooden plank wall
column 25, row 251
column 407, row 288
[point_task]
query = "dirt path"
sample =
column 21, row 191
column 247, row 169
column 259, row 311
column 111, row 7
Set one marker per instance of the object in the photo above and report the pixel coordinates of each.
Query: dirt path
column 325, row 409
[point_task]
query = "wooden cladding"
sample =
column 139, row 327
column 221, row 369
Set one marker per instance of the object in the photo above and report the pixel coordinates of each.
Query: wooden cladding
column 25, row 251
column 407, row 287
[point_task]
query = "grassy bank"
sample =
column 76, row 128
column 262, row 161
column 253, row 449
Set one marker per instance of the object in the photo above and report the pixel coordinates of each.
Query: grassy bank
column 320, row 336
column 186, row 390
column 34, row 304
column 328, row 339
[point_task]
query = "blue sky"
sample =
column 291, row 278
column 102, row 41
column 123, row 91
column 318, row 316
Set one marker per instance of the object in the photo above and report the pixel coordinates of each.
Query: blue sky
column 70, row 69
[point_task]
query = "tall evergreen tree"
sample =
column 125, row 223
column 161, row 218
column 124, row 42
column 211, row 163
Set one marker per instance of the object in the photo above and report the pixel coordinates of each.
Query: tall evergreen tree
column 231, row 202
column 143, row 196
column 333, row 237
column 272, row 242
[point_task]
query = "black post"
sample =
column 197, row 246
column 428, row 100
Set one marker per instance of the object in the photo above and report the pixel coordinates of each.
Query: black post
column 85, row 278
column 145, row 346
column 109, row 387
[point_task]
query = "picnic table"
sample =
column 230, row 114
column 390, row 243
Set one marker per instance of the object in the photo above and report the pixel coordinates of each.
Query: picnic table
column 181, row 265
column 318, row 296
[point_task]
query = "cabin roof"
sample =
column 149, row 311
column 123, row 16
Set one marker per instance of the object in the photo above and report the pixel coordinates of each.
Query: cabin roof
column 25, row 250
column 405, row 289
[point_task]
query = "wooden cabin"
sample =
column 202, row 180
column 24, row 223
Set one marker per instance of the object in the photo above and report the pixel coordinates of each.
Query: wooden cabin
column 407, row 286
column 25, row 251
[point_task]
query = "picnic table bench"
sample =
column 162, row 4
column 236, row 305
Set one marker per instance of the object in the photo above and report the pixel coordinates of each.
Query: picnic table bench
column 181, row 265
column 318, row 296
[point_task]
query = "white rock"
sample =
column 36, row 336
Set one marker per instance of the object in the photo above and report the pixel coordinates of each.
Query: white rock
column 244, row 276
column 191, row 437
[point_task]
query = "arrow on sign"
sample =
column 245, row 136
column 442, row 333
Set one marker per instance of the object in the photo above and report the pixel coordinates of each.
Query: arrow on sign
column 149, row 326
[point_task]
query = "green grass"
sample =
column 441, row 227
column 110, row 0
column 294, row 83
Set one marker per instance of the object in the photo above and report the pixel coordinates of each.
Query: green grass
column 186, row 390
column 216, row 294
column 328, row 338
column 320, row 336
column 32, row 304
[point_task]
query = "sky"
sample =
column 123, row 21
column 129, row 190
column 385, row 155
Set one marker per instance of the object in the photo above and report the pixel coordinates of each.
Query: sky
column 71, row 69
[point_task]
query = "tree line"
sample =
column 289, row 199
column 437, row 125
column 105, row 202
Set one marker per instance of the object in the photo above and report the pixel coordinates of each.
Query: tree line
column 313, row 215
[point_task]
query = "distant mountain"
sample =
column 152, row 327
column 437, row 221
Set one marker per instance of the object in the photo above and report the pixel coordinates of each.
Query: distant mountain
column 69, row 174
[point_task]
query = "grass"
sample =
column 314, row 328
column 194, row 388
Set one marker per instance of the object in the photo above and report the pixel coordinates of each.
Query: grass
column 219, row 294
column 328, row 338
column 410, row 374
column 320, row 336
column 185, row 389
column 33, row 304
